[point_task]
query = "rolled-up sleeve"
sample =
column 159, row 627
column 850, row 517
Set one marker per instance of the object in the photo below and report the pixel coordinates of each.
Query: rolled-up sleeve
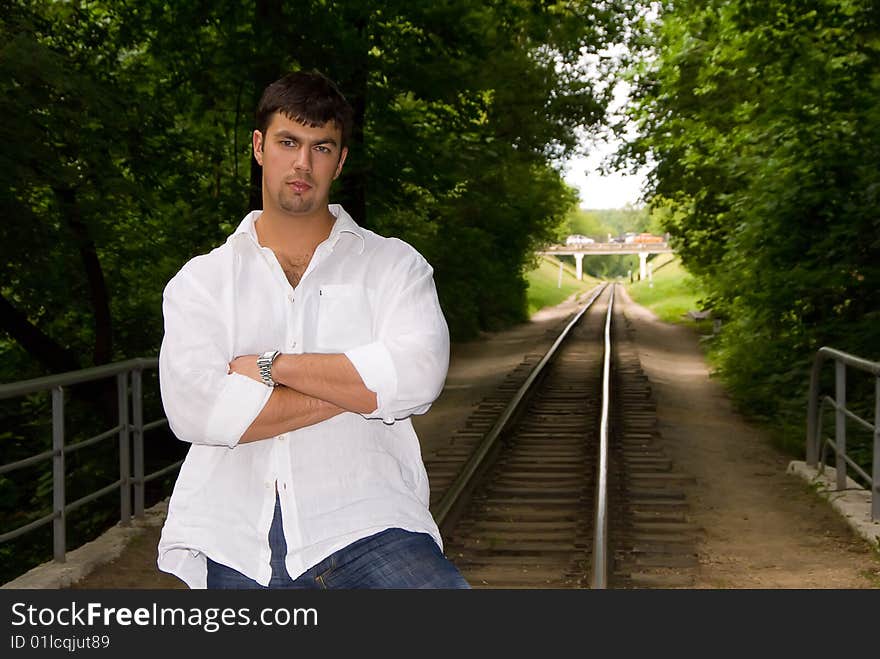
column 406, row 366
column 204, row 403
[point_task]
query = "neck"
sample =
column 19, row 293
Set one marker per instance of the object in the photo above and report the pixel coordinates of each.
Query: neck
column 288, row 234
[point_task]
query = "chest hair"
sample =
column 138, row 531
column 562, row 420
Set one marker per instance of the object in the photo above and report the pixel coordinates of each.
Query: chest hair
column 294, row 266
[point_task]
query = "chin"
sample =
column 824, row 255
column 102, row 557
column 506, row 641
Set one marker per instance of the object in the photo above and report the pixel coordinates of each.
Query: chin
column 297, row 208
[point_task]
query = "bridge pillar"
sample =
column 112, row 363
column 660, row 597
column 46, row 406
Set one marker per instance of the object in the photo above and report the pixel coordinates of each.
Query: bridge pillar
column 643, row 266
column 579, row 262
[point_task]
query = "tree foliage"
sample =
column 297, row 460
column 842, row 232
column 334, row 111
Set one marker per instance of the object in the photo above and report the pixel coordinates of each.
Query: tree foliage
column 127, row 146
column 126, row 131
column 763, row 119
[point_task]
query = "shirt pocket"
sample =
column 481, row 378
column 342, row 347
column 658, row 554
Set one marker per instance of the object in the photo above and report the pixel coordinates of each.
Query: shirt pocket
column 344, row 318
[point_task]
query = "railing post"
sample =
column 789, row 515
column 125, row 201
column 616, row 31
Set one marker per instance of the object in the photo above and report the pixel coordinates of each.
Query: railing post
column 875, row 472
column 137, row 406
column 59, row 530
column 124, row 457
column 840, row 422
column 813, row 429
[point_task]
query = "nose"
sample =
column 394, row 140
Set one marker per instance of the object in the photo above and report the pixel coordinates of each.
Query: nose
column 303, row 160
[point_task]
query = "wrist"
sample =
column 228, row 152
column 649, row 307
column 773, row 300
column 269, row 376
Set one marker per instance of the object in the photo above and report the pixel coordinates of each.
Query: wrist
column 265, row 363
column 282, row 369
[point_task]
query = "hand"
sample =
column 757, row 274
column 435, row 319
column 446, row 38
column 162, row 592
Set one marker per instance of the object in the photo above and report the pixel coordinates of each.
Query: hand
column 246, row 365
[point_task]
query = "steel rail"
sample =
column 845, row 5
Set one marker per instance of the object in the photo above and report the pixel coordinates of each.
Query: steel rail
column 600, row 528
column 850, row 415
column 815, row 407
column 447, row 502
column 56, row 386
column 34, row 385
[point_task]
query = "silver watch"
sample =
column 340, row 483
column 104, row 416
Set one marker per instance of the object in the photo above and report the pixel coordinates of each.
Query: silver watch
column 264, row 363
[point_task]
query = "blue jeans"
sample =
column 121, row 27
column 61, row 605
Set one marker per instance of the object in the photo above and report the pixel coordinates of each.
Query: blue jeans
column 393, row 558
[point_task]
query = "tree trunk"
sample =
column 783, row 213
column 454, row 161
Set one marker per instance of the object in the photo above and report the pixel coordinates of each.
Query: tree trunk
column 100, row 395
column 268, row 20
column 354, row 71
column 353, row 193
column 98, row 294
column 53, row 356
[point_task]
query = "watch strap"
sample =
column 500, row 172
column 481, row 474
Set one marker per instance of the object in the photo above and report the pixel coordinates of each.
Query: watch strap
column 264, row 363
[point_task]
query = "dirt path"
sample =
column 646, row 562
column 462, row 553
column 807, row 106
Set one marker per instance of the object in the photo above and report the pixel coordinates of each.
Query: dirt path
column 760, row 527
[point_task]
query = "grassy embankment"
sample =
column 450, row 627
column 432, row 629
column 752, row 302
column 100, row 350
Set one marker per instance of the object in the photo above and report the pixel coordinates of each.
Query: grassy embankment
column 543, row 282
column 673, row 294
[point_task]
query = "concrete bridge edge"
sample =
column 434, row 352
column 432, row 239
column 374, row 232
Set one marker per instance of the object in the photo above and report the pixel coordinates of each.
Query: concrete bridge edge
column 80, row 562
column 854, row 503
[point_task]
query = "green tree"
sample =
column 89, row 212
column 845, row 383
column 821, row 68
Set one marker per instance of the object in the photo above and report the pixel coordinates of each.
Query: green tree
column 763, row 120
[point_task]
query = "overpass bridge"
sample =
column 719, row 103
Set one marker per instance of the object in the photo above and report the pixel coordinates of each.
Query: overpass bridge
column 643, row 249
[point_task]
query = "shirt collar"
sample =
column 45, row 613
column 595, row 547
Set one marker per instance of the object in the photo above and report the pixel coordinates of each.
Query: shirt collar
column 344, row 226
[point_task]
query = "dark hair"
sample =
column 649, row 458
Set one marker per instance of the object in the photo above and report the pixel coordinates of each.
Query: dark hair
column 308, row 97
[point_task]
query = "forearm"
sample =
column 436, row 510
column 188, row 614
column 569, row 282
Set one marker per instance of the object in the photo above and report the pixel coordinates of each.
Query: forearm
column 288, row 410
column 330, row 378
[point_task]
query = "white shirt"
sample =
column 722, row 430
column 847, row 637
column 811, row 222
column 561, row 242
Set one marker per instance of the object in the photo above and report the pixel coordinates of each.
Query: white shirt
column 369, row 297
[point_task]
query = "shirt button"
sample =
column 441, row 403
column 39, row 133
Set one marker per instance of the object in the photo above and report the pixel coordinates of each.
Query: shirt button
column 290, row 298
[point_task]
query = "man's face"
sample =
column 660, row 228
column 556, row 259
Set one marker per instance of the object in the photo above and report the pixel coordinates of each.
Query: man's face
column 299, row 164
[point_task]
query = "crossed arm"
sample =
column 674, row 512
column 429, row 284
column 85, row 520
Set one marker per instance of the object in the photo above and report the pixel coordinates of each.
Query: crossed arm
column 312, row 388
column 210, row 400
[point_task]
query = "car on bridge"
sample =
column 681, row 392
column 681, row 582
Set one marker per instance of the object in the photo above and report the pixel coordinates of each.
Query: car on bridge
column 577, row 239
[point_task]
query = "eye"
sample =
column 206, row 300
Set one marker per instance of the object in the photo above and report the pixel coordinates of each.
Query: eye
column 288, row 143
column 322, row 149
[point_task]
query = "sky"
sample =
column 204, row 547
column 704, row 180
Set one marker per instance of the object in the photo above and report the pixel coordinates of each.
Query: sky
column 605, row 191
column 597, row 191
column 614, row 190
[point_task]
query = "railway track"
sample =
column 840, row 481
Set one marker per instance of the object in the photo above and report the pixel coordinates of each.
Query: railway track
column 516, row 494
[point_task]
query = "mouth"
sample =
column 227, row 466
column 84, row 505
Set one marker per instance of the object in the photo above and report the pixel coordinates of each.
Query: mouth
column 299, row 187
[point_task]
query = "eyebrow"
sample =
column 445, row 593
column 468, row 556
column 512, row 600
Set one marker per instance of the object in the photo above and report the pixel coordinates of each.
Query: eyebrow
column 322, row 140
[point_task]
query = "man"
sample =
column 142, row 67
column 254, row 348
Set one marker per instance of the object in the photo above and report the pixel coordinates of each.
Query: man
column 293, row 357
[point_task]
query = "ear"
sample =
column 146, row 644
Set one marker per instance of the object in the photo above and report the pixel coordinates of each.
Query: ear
column 258, row 147
column 342, row 155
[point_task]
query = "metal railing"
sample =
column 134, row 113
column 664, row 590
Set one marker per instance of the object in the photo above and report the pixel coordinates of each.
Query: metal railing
column 815, row 444
column 130, row 432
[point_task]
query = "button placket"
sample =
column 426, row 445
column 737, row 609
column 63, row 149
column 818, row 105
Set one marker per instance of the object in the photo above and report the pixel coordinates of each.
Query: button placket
column 291, row 324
